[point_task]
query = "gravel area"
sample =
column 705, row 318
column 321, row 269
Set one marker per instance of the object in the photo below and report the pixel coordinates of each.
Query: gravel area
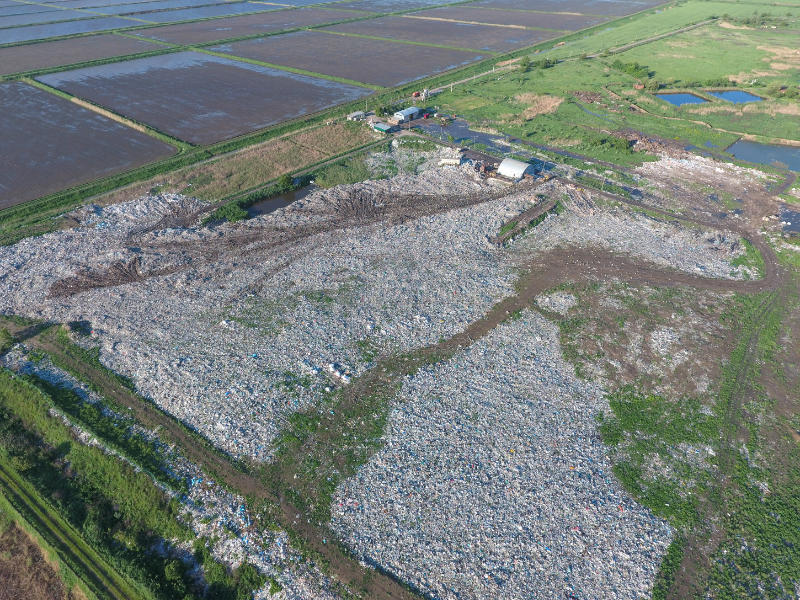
column 493, row 482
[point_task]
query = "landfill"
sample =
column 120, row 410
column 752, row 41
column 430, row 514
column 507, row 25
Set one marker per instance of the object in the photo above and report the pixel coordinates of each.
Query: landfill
column 493, row 482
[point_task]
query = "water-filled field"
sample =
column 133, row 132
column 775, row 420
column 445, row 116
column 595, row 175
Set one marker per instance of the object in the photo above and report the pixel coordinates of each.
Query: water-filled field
column 446, row 33
column 19, row 59
column 200, row 98
column 50, row 143
column 366, row 58
column 213, row 30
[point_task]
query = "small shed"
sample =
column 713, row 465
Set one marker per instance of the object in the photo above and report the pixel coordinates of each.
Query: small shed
column 513, row 169
column 358, row 115
column 382, row 127
column 407, row 114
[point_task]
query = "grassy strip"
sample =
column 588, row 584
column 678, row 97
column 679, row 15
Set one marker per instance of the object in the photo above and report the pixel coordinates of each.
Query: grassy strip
column 603, row 185
column 85, row 366
column 751, row 259
column 71, row 580
column 115, row 431
column 133, row 124
column 73, row 551
column 119, row 511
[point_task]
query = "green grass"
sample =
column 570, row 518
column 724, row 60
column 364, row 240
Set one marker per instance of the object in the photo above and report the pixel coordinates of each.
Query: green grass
column 760, row 532
column 751, row 259
column 349, row 170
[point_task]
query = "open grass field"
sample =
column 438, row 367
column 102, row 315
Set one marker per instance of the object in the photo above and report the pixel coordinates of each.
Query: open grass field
column 517, row 18
column 722, row 49
column 445, row 33
column 32, row 57
column 241, row 171
column 50, row 143
column 202, row 32
column 367, row 59
column 208, row 98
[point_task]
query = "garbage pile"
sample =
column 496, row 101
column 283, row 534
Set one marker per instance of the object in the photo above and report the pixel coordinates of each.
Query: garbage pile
column 703, row 252
column 493, row 482
column 237, row 335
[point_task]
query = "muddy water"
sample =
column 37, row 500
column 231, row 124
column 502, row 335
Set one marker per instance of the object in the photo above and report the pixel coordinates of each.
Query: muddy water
column 767, row 154
column 272, row 204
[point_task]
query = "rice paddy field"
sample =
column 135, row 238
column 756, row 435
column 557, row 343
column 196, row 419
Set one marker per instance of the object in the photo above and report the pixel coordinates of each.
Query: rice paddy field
column 50, row 143
column 194, row 73
column 366, row 58
column 201, row 99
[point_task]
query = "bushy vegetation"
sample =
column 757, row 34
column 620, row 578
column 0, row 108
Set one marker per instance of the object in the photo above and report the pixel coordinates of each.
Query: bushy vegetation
column 6, row 340
column 236, row 210
column 634, row 69
column 115, row 431
column 347, row 170
column 119, row 512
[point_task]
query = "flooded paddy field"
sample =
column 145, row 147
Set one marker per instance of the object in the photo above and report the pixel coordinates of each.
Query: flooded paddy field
column 458, row 35
column 141, row 7
column 204, row 12
column 52, row 30
column 382, row 6
column 208, row 98
column 512, row 17
column 366, row 58
column 587, row 7
column 30, row 57
column 268, row 22
column 22, row 9
column 50, row 16
column 50, row 144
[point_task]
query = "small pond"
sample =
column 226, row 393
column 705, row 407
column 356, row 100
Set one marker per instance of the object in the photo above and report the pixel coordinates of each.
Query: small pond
column 792, row 217
column 767, row 154
column 736, row 96
column 272, row 204
column 679, row 99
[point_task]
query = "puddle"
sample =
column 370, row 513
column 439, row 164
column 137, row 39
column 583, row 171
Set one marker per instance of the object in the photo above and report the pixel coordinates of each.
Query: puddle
column 736, row 96
column 682, row 98
column 792, row 217
column 785, row 157
column 272, row 204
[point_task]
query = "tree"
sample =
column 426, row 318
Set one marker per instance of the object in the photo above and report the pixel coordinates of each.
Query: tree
column 524, row 64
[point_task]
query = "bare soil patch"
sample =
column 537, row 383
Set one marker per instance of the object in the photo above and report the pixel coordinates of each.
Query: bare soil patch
column 25, row 571
column 538, row 104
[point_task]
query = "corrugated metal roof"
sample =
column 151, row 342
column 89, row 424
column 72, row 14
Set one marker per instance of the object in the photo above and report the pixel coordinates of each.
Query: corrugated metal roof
column 512, row 168
column 406, row 112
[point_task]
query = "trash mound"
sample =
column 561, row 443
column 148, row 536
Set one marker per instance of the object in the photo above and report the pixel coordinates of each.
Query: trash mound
column 493, row 482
